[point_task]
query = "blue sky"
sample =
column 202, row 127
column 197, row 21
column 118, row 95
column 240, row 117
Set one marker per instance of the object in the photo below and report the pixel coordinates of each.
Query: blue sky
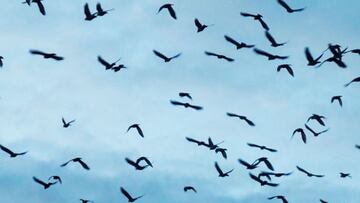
column 35, row 94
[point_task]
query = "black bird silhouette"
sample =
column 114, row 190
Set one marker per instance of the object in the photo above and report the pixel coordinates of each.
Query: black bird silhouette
column 316, row 133
column 186, row 105
column 165, row 58
column 170, row 8
column 28, row 2
column 336, row 60
column 147, row 161
column 137, row 127
column 268, row 55
column 128, row 196
column 85, row 201
column 77, row 159
column 310, row 59
column 56, row 178
column 45, row 185
column 337, row 98
column 187, row 188
column 287, row 67
column 221, row 173
column 357, row 146
column 287, row 7
column 302, row 133
column 345, row 175
column 323, row 201
column 107, row 64
column 101, row 11
column 136, row 164
column 269, row 174
column 118, row 68
column 354, row 80
column 88, row 15
column 66, row 124
column 200, row 27
column 308, row 173
column 272, row 40
column 1, row 62
column 266, row 162
column 222, row 151
column 11, row 153
column 282, row 198
column 354, row 51
column 211, row 144
column 318, row 118
column 257, row 17
column 237, row 44
column 185, row 94
column 249, row 122
column 47, row 55
column 262, row 182
column 219, row 56
column 247, row 165
column 40, row 6
column 262, row 147
column 199, row 143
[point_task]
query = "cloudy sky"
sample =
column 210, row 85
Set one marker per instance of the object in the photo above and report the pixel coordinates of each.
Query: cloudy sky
column 35, row 94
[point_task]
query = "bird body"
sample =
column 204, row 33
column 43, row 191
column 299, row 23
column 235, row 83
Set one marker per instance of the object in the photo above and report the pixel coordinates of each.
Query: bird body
column 244, row 118
column 66, row 124
column 256, row 17
column 47, row 55
column 165, row 58
column 88, row 15
column 237, row 44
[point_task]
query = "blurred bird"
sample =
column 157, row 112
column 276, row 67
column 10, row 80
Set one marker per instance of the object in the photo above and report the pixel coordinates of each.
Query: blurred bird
column 282, row 198
column 315, row 133
column 354, row 80
column 136, row 164
column 237, row 44
column 85, row 201
column 302, row 133
column 47, row 55
column 45, row 185
column 186, row 105
column 261, row 147
column 77, row 159
column 170, row 8
column 199, row 143
column 287, row 7
column 310, row 59
column 249, row 122
column 262, row 182
column 318, row 118
column 56, row 179
column 40, row 6
column 101, row 11
column 128, row 196
column 308, row 173
column 219, row 56
column 257, row 17
column 11, row 153
column 200, row 27
column 137, row 127
column 268, row 55
column 88, row 15
column 272, row 40
column 1, row 61
column 66, row 124
column 185, row 94
column 165, row 58
column 107, row 64
column 286, row 67
column 222, row 151
column 345, row 175
column 187, row 188
column 221, row 173
column 337, row 98
column 247, row 165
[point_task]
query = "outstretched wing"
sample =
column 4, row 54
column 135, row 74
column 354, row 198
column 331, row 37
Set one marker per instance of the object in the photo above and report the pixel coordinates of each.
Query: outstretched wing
column 302, row 170
column 103, row 62
column 131, row 162
column 139, row 131
column 217, row 167
column 84, row 165
column 125, row 193
column 197, row 23
column 39, row 181
column 231, row 40
column 172, row 11
column 247, row 14
column 36, row 52
column 87, row 10
column 41, row 7
column 98, row 8
column 261, row 52
column 6, row 150
column 176, row 103
column 211, row 53
column 160, row 55
column 284, row 4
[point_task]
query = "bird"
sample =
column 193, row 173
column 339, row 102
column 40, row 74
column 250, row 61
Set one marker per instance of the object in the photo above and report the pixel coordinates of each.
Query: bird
column 47, row 55
column 219, row 56
column 186, row 105
column 262, row 182
column 354, row 51
column 200, row 27
column 249, row 122
column 79, row 160
column 318, row 118
column 286, row 67
column 40, row 6
column 147, row 161
column 85, row 201
column 28, row 2
column 261, row 147
column 128, row 196
column 268, row 55
column 187, row 188
column 56, row 178
column 315, row 133
column 66, row 124
column 345, row 175
column 222, row 151
column 336, row 60
column 248, row 165
column 357, row 146
column 107, row 64
column 165, row 58
column 310, row 59
column 221, row 173
column 337, row 98
column 45, row 185
column 265, row 161
column 170, row 8
column 11, row 153
column 308, row 173
column 287, row 7
column 237, row 44
column 101, row 11
column 137, row 127
column 302, row 133
column 354, row 80
column 88, row 15
column 1, row 61
column 199, row 143
column 257, row 17
column 269, row 174
column 272, row 40
column 185, row 94
column 118, row 67
column 136, row 164
column 282, row 198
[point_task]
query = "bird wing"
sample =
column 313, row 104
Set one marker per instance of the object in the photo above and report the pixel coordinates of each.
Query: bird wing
column 268, row 164
column 247, row 14
column 308, row 55
column 302, row 170
column 6, row 150
column 211, row 53
column 222, row 151
column 177, row 55
column 249, row 122
column 66, row 163
column 192, row 140
column 232, row 114
column 176, row 103
column 36, row 52
column 290, row 70
column 244, row 163
column 270, row 149
column 270, row 38
column 263, row 24
column 41, row 7
column 58, row 58
column 87, row 10
column 197, row 23
column 160, row 55
column 231, row 40
column 63, row 121
column 283, row 4
column 39, row 181
column 139, row 131
column 309, row 129
column 148, row 162
column 228, row 59
column 125, row 193
column 131, row 162
column 257, row 179
column 218, row 168
column 84, row 165
column 261, row 52
column 103, row 62
column 195, row 107
column 98, row 8
column 253, row 145
column 172, row 11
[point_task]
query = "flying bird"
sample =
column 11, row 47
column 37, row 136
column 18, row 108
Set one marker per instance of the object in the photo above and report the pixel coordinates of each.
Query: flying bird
column 280, row 197
column 45, row 185
column 78, row 159
column 219, row 56
column 11, row 153
column 170, row 8
column 137, row 127
column 286, row 67
column 40, row 6
column 272, row 40
column 66, row 124
column 269, row 174
column 268, row 55
column 336, row 60
column 147, row 161
column 199, row 143
column 354, row 80
column 88, row 15
column 107, row 64
column 211, row 144
column 249, row 122
column 257, row 17
column 101, row 11
column 315, row 133
column 221, row 173
column 47, row 55
column 56, row 178
column 261, row 147
column 247, row 165
column 265, row 161
column 287, row 7
column 222, row 151
column 237, row 44
column 357, row 146
column 323, row 201
column 28, row 2
column 200, row 27
column 262, row 182
column 128, row 196
column 310, row 58
column 165, row 58
column 185, row 94
column 302, row 133
column 187, row 188
column 186, row 105
column 345, row 175
column 318, row 118
column 85, row 201
column 118, row 68
column 308, row 173
column 337, row 98
column 136, row 164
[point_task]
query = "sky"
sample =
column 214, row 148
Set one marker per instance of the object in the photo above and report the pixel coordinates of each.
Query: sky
column 36, row 93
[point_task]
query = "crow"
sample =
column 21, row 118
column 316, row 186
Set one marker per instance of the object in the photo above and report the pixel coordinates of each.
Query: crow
column 302, row 133
column 66, row 124
column 272, row 40
column 287, row 7
column 286, row 67
column 337, row 98
column 219, row 56
column 187, row 188
column 200, row 27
